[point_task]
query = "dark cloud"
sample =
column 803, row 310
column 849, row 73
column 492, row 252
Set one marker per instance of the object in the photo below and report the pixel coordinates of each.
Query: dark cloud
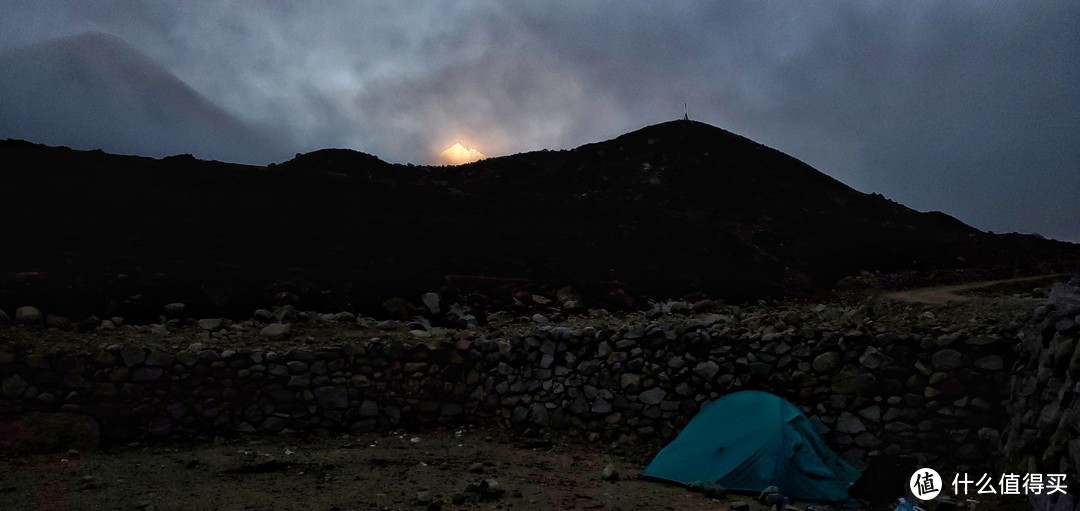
column 967, row 107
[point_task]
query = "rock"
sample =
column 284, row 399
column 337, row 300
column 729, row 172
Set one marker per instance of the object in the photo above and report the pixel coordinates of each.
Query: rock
column 539, row 414
column 1064, row 297
column 874, row 359
column 579, row 405
column 273, row 424
column 629, row 381
column 58, row 322
column 739, row 505
column 14, row 386
column 369, row 408
column 4, row 318
column 144, row 374
column 263, row 315
column 431, row 302
column 946, row 359
column 451, row 410
column 275, row 330
column 866, row 384
column 866, row 440
column 285, row 313
column 566, row 294
column 132, row 356
column 826, row 362
column 211, row 324
column 609, row 473
column 653, row 396
column 540, row 319
column 334, row 398
column 846, row 381
column 158, row 358
column 28, row 315
column 489, row 489
column 707, row 370
column 849, row 423
column 476, row 468
column 990, row 363
column 601, row 406
column 344, row 317
column 175, row 310
column 871, row 413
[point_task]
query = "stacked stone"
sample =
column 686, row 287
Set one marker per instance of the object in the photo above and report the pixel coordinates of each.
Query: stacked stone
column 1043, row 434
column 866, row 392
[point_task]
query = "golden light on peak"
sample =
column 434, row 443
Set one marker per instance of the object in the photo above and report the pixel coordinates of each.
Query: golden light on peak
column 458, row 154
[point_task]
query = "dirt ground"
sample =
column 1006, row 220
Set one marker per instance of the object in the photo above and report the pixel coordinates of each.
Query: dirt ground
column 960, row 292
column 435, row 470
column 375, row 471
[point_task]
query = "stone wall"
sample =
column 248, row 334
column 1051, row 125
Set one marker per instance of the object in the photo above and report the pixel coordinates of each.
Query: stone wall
column 1043, row 433
column 928, row 392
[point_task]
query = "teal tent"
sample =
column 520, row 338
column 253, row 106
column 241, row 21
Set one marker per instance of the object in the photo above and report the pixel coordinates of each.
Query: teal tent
column 751, row 440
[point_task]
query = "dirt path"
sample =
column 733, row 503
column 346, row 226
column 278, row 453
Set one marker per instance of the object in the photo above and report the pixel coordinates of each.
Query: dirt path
column 947, row 294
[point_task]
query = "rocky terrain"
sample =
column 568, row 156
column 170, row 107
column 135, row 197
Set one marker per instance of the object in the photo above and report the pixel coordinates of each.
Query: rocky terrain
column 878, row 375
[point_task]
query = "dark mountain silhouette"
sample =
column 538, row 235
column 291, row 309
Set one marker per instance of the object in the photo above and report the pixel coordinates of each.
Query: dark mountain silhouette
column 665, row 211
column 94, row 91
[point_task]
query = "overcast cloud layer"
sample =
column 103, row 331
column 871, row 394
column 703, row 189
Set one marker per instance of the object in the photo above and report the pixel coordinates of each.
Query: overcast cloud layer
column 972, row 108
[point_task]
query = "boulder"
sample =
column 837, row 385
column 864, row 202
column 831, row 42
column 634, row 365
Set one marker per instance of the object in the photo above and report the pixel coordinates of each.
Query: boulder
column 990, row 363
column 826, row 362
column 431, row 302
column 946, row 359
column 707, row 369
column 849, row 423
column 211, row 324
column 28, row 315
column 874, row 359
column 653, row 396
column 275, row 330
column 175, row 309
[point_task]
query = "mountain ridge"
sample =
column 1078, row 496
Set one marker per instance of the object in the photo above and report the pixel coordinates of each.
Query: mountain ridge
column 93, row 90
column 699, row 210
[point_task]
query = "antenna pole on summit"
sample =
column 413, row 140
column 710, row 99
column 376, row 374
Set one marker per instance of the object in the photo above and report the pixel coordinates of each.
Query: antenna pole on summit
column 686, row 112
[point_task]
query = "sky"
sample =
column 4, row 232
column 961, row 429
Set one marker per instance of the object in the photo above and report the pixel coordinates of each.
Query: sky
column 967, row 107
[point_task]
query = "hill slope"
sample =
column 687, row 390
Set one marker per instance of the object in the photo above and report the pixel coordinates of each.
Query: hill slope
column 672, row 209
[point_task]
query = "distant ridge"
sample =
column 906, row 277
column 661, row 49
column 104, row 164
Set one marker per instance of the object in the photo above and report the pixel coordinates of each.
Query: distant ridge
column 94, row 91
